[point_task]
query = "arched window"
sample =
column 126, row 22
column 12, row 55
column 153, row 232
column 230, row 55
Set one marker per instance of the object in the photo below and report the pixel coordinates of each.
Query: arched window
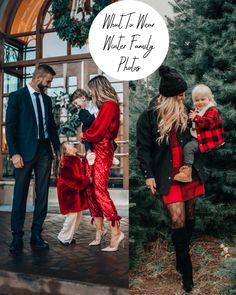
column 30, row 39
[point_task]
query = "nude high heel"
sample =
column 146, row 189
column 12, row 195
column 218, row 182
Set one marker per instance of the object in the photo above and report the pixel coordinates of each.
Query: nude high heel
column 100, row 234
column 117, row 243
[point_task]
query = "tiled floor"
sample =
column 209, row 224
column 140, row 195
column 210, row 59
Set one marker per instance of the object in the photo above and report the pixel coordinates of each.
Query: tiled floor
column 77, row 262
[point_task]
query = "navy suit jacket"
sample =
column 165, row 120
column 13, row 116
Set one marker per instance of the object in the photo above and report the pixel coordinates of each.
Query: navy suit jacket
column 21, row 125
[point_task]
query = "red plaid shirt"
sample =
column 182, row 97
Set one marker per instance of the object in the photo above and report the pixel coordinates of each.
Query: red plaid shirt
column 210, row 132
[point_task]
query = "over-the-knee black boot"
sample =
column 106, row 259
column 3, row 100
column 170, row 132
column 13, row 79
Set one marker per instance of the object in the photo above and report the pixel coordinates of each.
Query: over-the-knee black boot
column 190, row 224
column 181, row 244
column 178, row 264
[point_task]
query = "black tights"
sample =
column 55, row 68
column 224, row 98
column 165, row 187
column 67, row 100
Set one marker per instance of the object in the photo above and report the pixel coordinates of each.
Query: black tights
column 181, row 211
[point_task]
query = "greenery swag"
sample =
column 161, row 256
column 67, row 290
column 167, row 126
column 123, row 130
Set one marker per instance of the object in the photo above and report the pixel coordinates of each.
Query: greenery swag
column 69, row 29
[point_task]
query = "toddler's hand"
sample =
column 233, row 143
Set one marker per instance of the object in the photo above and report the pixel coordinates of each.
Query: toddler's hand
column 191, row 115
column 115, row 161
column 91, row 158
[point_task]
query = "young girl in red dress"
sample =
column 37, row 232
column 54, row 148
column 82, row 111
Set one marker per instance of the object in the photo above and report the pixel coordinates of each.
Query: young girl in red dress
column 101, row 134
column 161, row 135
column 72, row 189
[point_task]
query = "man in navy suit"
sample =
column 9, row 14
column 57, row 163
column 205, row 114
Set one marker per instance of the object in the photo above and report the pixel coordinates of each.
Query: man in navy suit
column 30, row 132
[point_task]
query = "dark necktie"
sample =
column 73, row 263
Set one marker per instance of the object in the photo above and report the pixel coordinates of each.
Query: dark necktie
column 40, row 117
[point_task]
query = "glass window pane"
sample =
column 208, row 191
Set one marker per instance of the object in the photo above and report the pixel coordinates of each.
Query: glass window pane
column 111, row 79
column 28, row 74
column 121, row 97
column 57, row 82
column 72, row 89
column 25, row 51
column 82, row 50
column 55, row 91
column 30, row 48
column 5, row 101
column 8, row 168
column 47, row 23
column 92, row 76
column 72, row 81
column 53, row 46
column 11, row 83
column 119, row 87
column 27, row 81
column 11, row 53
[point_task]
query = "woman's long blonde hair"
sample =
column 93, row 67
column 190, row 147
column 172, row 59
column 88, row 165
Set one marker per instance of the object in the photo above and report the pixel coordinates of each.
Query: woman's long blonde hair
column 171, row 115
column 102, row 90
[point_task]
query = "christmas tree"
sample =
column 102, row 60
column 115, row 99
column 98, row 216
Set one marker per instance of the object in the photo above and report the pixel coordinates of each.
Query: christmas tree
column 202, row 48
column 148, row 216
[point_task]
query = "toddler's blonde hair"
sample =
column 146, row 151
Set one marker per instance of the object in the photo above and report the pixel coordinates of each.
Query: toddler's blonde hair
column 203, row 90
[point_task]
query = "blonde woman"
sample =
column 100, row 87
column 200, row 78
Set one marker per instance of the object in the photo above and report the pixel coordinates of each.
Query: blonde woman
column 161, row 135
column 101, row 134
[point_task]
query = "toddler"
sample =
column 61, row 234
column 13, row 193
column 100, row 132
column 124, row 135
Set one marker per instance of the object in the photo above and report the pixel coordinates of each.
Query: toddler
column 207, row 130
column 87, row 114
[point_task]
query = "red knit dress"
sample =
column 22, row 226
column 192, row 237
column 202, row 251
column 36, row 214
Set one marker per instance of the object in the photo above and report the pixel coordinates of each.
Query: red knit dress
column 180, row 192
column 101, row 133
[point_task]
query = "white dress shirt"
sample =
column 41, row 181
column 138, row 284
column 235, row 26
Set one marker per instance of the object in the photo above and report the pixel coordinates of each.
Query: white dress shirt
column 33, row 98
column 92, row 108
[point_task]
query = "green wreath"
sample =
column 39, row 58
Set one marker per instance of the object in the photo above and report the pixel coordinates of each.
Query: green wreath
column 74, row 31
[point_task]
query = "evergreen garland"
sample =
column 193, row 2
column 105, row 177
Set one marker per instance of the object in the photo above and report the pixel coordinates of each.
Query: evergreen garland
column 73, row 31
column 60, row 103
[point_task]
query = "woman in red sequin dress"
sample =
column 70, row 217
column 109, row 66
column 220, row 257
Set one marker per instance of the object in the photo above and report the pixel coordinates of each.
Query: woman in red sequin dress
column 101, row 134
column 162, row 132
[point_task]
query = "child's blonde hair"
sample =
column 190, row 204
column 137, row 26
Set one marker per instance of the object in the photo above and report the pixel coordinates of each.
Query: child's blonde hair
column 204, row 90
column 63, row 153
column 63, row 148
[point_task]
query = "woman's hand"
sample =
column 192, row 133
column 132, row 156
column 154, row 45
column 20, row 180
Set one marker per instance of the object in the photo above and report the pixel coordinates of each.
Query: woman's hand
column 191, row 115
column 151, row 184
column 81, row 136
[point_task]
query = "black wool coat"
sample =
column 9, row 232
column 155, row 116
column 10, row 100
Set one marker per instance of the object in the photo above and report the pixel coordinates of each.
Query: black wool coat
column 156, row 160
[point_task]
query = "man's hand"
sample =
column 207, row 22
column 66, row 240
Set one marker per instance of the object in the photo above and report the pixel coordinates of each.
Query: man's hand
column 151, row 184
column 17, row 161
